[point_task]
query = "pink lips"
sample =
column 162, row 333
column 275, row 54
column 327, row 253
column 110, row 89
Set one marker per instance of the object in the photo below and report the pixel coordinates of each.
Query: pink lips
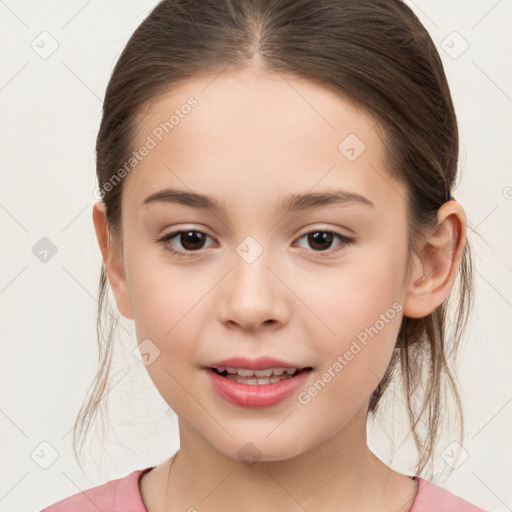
column 260, row 363
column 260, row 395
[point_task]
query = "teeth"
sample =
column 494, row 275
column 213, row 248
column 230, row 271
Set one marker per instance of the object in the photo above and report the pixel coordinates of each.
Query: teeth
column 255, row 377
column 244, row 372
column 257, row 381
column 263, row 373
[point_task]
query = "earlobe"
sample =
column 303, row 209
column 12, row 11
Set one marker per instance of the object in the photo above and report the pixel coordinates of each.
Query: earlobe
column 113, row 261
column 436, row 265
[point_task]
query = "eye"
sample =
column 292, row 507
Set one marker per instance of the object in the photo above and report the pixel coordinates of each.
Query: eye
column 191, row 240
column 320, row 240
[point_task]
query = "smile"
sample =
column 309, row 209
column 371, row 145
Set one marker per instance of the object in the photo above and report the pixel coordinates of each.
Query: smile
column 256, row 377
column 244, row 387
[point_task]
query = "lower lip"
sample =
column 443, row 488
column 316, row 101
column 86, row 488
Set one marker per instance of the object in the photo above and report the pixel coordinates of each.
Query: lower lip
column 256, row 395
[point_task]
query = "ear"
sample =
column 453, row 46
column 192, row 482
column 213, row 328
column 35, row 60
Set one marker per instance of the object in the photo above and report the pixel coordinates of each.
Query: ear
column 113, row 261
column 436, row 263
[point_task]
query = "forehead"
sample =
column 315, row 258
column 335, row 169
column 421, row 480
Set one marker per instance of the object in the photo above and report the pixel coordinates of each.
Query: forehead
column 263, row 104
column 258, row 132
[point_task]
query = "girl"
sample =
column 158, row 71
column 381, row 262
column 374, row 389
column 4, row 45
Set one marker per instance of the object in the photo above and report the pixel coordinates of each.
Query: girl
column 276, row 216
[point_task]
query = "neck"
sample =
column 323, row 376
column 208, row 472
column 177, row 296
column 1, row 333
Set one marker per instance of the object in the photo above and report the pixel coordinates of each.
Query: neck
column 341, row 473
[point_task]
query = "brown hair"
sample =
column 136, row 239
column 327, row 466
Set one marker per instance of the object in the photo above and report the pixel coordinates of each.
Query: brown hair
column 375, row 53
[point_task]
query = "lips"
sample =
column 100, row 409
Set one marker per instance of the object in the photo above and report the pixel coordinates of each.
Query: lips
column 260, row 382
column 260, row 363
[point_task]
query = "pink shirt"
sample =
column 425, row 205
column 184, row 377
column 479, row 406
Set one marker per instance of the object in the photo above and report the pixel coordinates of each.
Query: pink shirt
column 123, row 495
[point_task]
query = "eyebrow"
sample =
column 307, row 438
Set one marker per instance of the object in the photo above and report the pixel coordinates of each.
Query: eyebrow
column 291, row 203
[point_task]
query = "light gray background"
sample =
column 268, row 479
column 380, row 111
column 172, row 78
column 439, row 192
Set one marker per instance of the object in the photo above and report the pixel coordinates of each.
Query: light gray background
column 50, row 112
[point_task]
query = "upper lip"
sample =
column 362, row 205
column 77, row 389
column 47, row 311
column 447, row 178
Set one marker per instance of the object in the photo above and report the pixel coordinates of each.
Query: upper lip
column 259, row 363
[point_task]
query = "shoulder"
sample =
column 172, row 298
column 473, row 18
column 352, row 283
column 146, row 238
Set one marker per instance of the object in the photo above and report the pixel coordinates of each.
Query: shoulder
column 119, row 495
column 434, row 498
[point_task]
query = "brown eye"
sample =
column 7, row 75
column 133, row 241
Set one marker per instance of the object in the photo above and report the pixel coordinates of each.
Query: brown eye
column 321, row 241
column 190, row 241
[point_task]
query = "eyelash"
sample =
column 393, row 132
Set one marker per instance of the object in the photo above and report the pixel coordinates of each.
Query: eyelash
column 344, row 241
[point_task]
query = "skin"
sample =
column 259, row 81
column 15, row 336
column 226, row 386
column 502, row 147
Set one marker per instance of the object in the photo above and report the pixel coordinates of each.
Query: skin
column 253, row 139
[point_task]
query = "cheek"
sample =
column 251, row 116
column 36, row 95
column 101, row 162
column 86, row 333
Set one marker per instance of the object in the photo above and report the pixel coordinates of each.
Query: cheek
column 360, row 306
column 162, row 293
column 354, row 296
column 167, row 317
column 163, row 305
column 164, row 313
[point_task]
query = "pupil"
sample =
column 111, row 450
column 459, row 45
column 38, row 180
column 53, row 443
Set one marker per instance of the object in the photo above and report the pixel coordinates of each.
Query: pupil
column 320, row 237
column 190, row 238
column 195, row 240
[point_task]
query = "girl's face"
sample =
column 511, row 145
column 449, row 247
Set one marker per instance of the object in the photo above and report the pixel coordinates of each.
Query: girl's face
column 261, row 276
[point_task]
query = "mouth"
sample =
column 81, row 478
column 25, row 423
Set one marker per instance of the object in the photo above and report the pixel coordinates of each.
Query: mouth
column 262, row 377
column 256, row 382
column 263, row 386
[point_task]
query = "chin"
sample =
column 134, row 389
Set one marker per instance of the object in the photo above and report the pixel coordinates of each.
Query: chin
column 250, row 445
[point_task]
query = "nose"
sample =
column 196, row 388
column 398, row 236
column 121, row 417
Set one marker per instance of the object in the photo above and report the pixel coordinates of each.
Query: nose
column 252, row 296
